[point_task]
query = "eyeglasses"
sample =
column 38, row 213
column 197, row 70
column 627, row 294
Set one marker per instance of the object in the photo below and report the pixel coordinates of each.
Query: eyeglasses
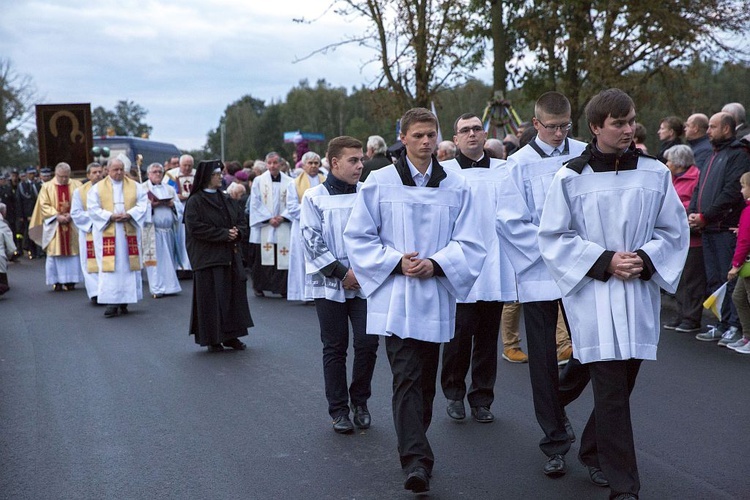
column 476, row 129
column 554, row 128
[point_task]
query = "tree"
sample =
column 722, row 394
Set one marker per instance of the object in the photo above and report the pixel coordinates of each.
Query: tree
column 419, row 44
column 17, row 98
column 583, row 46
column 126, row 119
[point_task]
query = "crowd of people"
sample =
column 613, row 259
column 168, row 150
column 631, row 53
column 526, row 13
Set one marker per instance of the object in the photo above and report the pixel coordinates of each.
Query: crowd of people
column 431, row 243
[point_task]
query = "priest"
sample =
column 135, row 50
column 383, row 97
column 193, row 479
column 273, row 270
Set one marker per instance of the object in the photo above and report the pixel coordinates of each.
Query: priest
column 117, row 207
column 415, row 248
column 270, row 228
column 612, row 234
column 52, row 228
column 80, row 214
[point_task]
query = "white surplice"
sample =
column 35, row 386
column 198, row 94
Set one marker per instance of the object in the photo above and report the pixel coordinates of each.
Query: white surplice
column 390, row 219
column 122, row 286
column 588, row 213
column 526, row 180
column 267, row 200
column 83, row 222
column 162, row 278
column 295, row 288
column 497, row 280
column 323, row 218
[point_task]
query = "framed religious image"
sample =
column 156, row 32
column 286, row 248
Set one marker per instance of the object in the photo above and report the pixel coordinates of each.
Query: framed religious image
column 64, row 132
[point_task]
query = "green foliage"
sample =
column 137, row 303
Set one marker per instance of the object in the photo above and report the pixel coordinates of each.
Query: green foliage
column 126, row 119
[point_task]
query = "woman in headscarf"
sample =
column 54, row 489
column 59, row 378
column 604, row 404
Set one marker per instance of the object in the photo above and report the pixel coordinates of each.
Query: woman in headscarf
column 214, row 228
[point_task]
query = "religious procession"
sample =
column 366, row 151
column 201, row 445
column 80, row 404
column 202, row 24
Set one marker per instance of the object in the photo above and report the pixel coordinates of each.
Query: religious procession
column 431, row 244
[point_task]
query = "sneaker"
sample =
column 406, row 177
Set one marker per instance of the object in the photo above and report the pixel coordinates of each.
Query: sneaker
column 564, row 356
column 745, row 349
column 738, row 343
column 712, row 334
column 515, row 355
column 731, row 335
column 672, row 325
column 688, row 328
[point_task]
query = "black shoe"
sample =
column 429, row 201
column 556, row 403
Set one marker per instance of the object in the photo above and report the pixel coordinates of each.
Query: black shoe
column 361, row 416
column 597, row 476
column 94, row 300
column 555, row 466
column 123, row 308
column 343, row 425
column 672, row 325
column 235, row 344
column 418, row 481
column 482, row 414
column 569, row 429
column 110, row 312
column 626, row 496
column 259, row 293
column 686, row 327
column 57, row 287
column 456, row 409
column 215, row 348
column 69, row 287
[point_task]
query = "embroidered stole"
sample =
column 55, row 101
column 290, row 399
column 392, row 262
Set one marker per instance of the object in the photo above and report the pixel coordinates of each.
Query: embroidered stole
column 302, row 183
column 282, row 233
column 91, row 265
column 130, row 196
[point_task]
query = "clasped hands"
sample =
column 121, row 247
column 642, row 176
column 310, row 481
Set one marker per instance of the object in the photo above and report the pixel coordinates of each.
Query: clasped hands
column 63, row 218
column 276, row 221
column 625, row 266
column 413, row 267
column 120, row 217
column 350, row 281
column 233, row 233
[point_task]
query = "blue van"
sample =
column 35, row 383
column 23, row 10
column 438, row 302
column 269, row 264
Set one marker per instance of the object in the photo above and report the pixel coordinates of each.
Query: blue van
column 152, row 151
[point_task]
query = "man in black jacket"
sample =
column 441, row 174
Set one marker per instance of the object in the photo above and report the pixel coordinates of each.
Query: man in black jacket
column 714, row 210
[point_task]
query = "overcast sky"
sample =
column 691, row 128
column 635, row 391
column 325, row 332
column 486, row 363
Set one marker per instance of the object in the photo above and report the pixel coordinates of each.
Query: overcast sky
column 184, row 61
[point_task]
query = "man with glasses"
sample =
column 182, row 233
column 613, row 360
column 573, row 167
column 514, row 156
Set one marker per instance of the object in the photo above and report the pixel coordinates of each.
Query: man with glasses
column 530, row 171
column 477, row 316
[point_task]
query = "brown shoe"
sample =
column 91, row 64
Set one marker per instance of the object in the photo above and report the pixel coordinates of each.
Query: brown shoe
column 564, row 356
column 515, row 355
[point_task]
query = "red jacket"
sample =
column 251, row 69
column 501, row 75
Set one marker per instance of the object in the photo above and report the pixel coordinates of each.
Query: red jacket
column 743, row 238
column 685, row 184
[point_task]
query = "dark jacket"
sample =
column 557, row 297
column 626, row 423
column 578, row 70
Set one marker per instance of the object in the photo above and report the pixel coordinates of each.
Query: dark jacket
column 717, row 197
column 208, row 219
column 378, row 161
column 702, row 151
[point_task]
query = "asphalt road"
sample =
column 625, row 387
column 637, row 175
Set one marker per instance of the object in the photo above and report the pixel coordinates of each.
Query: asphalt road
column 131, row 408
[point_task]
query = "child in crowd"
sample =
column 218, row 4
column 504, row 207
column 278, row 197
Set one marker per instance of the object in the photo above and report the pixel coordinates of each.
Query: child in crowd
column 741, row 295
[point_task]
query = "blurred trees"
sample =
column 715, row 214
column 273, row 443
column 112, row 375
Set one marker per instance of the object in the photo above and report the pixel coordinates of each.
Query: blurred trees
column 126, row 119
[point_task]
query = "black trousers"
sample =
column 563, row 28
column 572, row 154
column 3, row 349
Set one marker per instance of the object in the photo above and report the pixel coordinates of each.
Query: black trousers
column 607, row 439
column 414, row 365
column 540, row 319
column 334, row 318
column 692, row 288
column 475, row 344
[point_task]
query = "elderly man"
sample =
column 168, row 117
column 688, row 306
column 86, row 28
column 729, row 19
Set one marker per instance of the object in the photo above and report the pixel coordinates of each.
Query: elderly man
column 56, row 232
column 163, row 221
column 309, row 178
column 446, row 150
column 376, row 152
column 181, row 179
column 80, row 214
column 117, row 207
column 270, row 229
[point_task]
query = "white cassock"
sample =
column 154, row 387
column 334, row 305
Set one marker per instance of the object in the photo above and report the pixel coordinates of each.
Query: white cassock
column 122, row 286
column 323, row 218
column 180, row 183
column 497, row 280
column 295, row 289
column 527, row 178
column 588, row 213
column 390, row 219
column 162, row 278
column 83, row 222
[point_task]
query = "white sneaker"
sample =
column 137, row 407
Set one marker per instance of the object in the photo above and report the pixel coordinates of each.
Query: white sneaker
column 745, row 349
column 739, row 343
